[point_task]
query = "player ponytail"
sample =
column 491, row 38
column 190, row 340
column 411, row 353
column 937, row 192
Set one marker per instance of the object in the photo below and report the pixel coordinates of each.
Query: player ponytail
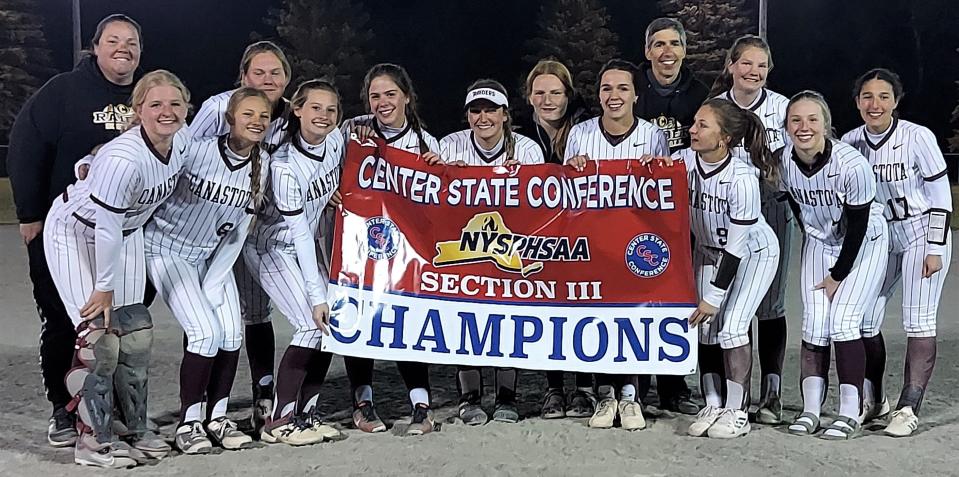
column 743, row 127
column 149, row 81
column 256, row 185
column 299, row 99
column 509, row 140
column 559, row 70
column 401, row 78
column 724, row 82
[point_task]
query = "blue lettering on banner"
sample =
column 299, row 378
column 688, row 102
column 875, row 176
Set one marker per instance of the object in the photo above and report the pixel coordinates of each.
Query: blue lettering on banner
column 609, row 339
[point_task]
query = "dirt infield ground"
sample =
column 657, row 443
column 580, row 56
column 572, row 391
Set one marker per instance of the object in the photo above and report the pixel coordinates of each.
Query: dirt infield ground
column 531, row 447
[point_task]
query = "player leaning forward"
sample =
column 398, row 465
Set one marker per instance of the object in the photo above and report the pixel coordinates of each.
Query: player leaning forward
column 93, row 238
column 616, row 134
column 832, row 190
column 304, row 172
column 736, row 255
column 912, row 186
column 192, row 243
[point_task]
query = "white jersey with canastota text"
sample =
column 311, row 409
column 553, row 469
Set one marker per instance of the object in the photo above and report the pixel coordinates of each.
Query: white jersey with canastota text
column 212, row 197
column 770, row 107
column 840, row 176
column 128, row 176
column 902, row 159
column 462, row 146
column 722, row 195
column 303, row 178
column 404, row 138
column 589, row 138
column 210, row 120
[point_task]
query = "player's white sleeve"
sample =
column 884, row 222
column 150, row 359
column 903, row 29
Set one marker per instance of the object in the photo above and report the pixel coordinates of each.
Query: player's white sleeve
column 859, row 182
column 572, row 144
column 532, row 155
column 431, row 143
column 108, row 244
column 347, row 128
column 744, row 211
column 206, row 123
column 222, row 261
column 660, row 144
column 289, row 201
column 85, row 161
column 929, row 158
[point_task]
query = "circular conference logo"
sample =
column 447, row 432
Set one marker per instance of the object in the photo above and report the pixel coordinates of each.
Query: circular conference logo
column 382, row 238
column 647, row 255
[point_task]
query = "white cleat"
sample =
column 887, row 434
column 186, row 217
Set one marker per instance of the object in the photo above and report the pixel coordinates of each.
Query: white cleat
column 903, row 423
column 704, row 420
column 631, row 416
column 225, row 433
column 873, row 410
column 731, row 423
column 605, row 414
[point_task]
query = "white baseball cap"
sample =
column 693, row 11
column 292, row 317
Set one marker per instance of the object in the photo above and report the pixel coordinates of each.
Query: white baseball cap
column 489, row 94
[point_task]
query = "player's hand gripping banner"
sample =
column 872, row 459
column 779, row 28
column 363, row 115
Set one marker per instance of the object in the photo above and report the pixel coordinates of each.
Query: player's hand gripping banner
column 536, row 267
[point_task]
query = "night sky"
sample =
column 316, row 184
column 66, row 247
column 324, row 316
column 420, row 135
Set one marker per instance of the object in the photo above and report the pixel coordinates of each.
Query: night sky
column 445, row 45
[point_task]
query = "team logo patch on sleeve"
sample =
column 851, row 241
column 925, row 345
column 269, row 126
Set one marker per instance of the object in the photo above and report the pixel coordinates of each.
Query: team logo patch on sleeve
column 382, row 238
column 647, row 255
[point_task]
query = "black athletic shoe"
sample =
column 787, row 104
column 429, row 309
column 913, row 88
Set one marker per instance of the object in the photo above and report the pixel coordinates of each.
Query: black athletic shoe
column 682, row 404
column 554, row 404
column 63, row 428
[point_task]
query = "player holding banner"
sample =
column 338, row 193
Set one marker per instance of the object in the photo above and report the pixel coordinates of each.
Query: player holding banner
column 913, row 187
column 616, row 134
column 736, row 256
column 489, row 141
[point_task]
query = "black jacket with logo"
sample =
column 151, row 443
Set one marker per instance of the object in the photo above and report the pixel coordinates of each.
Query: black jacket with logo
column 66, row 118
column 674, row 112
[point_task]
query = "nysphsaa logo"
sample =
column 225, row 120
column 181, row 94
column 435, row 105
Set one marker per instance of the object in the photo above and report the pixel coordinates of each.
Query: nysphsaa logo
column 382, row 238
column 647, row 255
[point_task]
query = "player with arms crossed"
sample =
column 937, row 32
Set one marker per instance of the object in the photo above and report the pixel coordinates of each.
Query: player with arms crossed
column 743, row 81
column 616, row 134
column 191, row 245
column 832, row 190
column 93, row 239
column 263, row 66
column 391, row 100
column 282, row 251
column 489, row 141
column 736, row 255
column 912, row 186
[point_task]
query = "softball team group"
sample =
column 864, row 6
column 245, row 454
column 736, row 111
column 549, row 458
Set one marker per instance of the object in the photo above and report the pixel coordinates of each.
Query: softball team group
column 233, row 212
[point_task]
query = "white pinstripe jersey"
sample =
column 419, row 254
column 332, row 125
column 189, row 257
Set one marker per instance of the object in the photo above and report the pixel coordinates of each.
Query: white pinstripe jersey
column 128, row 176
column 302, row 180
column 902, row 159
column 212, row 196
column 405, row 139
column 840, row 176
column 210, row 120
column 461, row 146
column 770, row 107
column 589, row 138
column 720, row 195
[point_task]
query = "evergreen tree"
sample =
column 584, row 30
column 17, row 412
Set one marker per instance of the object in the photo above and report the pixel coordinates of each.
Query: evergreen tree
column 326, row 38
column 575, row 32
column 711, row 27
column 24, row 58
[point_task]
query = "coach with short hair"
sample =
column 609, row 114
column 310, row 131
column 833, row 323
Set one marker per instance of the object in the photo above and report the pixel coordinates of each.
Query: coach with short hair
column 60, row 124
column 669, row 96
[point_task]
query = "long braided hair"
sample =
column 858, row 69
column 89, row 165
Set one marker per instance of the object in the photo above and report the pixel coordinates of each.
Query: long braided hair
column 398, row 75
column 256, row 186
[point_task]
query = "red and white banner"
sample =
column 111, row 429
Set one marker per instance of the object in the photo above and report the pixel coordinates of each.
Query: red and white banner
column 534, row 267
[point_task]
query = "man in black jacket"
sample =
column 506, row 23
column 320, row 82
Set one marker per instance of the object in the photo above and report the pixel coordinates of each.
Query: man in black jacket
column 66, row 118
column 669, row 96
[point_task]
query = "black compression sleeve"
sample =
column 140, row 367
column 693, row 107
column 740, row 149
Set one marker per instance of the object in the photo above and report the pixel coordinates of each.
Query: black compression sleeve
column 857, row 220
